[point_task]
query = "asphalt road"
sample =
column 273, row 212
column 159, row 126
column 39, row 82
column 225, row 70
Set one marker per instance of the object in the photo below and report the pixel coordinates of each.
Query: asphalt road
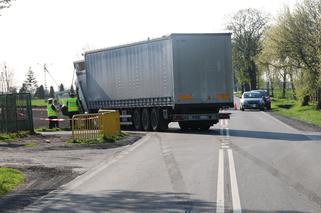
column 250, row 163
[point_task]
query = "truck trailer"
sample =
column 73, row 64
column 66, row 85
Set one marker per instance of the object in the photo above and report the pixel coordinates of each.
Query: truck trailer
column 184, row 78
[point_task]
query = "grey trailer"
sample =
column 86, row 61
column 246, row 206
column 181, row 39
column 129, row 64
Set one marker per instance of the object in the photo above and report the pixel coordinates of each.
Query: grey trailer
column 181, row 77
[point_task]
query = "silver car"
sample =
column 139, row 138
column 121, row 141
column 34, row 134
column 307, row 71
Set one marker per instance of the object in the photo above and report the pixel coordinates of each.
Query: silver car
column 252, row 100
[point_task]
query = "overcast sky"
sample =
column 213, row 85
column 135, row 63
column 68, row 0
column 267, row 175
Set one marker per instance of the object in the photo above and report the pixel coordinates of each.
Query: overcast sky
column 56, row 32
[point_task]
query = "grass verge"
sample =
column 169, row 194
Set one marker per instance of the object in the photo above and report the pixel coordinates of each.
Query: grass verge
column 43, row 102
column 39, row 102
column 293, row 109
column 99, row 140
column 9, row 179
column 13, row 135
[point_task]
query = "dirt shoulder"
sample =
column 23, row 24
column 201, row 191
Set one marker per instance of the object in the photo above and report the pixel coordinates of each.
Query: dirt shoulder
column 48, row 162
column 297, row 124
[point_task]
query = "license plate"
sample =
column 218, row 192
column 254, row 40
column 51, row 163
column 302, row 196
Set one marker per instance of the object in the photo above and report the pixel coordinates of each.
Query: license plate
column 253, row 105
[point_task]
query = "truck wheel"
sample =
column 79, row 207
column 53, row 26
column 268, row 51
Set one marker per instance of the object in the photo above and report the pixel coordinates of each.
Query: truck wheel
column 145, row 119
column 154, row 119
column 137, row 124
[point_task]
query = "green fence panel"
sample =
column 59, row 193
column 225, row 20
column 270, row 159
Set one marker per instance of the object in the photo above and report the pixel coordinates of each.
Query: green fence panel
column 15, row 112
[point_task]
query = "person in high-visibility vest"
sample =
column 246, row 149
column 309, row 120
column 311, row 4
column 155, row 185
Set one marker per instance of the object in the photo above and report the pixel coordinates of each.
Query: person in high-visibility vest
column 73, row 107
column 52, row 114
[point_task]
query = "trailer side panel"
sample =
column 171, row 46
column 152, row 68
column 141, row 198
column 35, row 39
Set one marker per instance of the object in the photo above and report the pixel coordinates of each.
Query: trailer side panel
column 135, row 72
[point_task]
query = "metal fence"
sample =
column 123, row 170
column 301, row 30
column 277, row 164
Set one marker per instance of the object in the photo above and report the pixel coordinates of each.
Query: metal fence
column 92, row 126
column 15, row 112
column 86, row 126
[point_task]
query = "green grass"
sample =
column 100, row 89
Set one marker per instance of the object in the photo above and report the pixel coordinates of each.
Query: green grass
column 43, row 102
column 39, row 102
column 307, row 113
column 9, row 179
column 99, row 140
column 238, row 94
column 13, row 135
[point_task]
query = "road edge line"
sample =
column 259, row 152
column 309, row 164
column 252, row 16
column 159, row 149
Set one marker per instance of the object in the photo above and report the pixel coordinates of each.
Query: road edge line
column 280, row 122
column 101, row 166
column 85, row 176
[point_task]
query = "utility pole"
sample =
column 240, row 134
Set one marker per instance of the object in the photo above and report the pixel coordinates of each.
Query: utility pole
column 2, row 82
column 6, row 78
column 45, row 77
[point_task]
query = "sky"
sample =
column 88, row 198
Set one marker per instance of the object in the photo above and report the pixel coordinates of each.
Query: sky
column 57, row 32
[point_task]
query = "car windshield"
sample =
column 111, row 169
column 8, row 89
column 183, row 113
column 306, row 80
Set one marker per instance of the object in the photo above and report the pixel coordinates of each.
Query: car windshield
column 252, row 95
column 262, row 92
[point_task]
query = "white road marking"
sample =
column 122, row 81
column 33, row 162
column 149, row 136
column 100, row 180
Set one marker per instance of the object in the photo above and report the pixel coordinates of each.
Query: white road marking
column 67, row 188
column 280, row 122
column 220, row 183
column 227, row 132
column 234, row 188
column 315, row 136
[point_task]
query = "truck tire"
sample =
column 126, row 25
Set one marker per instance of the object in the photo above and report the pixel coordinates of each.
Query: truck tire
column 155, row 119
column 146, row 119
column 137, row 124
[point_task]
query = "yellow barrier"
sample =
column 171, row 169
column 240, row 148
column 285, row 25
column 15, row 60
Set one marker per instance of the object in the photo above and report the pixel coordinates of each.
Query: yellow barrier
column 86, row 126
column 90, row 126
column 110, row 122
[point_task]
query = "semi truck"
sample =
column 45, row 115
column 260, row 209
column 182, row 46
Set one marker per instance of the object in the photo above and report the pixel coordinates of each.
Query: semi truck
column 184, row 78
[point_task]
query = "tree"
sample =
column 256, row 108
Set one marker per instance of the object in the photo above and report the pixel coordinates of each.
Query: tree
column 6, row 79
column 248, row 27
column 72, row 90
column 13, row 89
column 40, row 92
column 51, row 92
column 61, row 88
column 295, row 44
column 23, row 88
column 30, row 81
column 275, row 60
column 5, row 4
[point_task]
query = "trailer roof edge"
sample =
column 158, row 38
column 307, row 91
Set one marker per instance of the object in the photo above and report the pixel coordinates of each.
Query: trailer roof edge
column 165, row 37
